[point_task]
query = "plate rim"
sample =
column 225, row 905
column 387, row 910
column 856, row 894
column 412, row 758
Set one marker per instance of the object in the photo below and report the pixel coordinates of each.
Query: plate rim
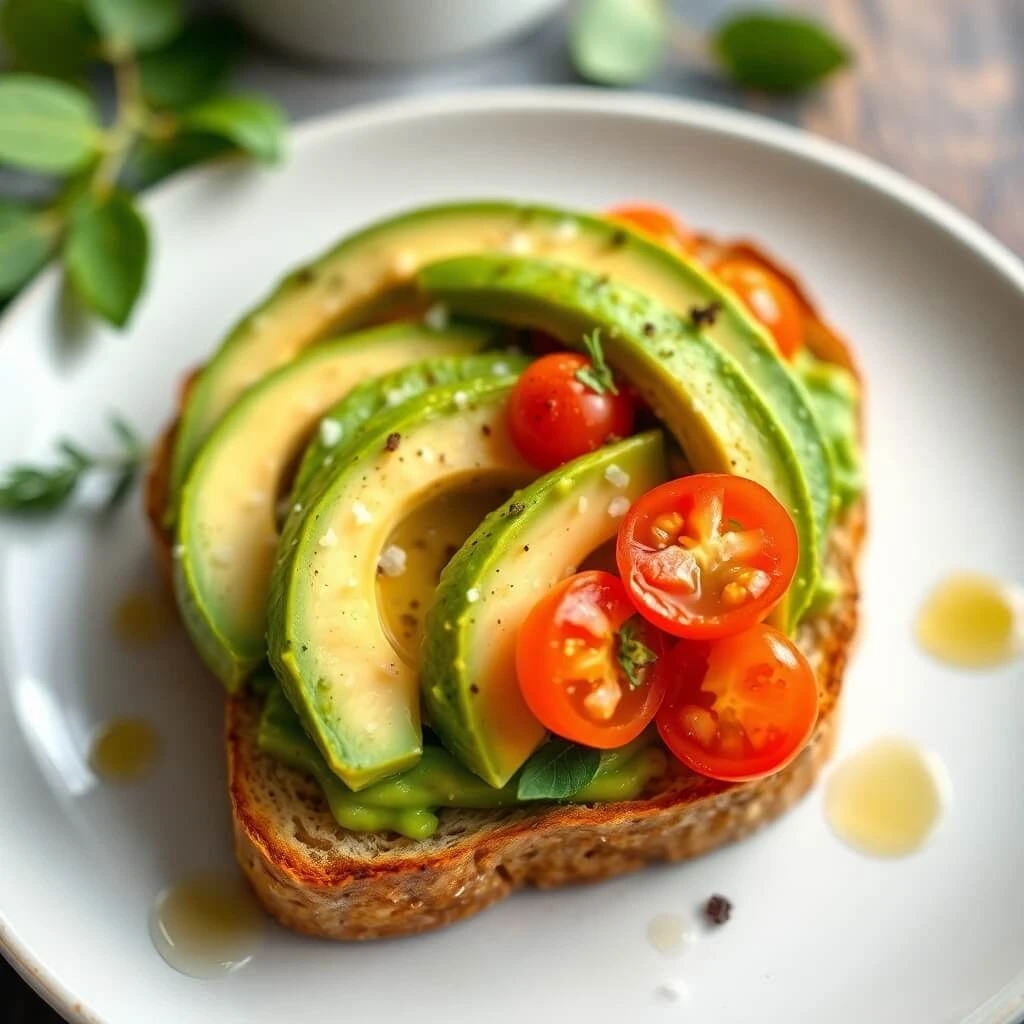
column 1004, row 1005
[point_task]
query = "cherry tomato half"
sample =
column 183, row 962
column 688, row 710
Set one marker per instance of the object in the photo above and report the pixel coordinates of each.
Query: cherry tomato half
column 707, row 555
column 739, row 708
column 655, row 221
column 768, row 298
column 571, row 657
column 555, row 417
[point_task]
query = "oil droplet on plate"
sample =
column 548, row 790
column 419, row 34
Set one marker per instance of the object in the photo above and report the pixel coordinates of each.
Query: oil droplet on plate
column 142, row 619
column 207, row 926
column 668, row 934
column 971, row 621
column 887, row 799
column 125, row 750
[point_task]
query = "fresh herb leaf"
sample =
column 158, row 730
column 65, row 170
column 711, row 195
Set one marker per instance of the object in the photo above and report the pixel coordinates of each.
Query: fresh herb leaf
column 45, row 125
column 153, row 160
column 193, row 66
column 106, row 253
column 252, row 124
column 633, row 654
column 618, row 42
column 33, row 490
column 136, row 25
column 778, row 52
column 557, row 771
column 51, row 37
column 27, row 237
column 598, row 377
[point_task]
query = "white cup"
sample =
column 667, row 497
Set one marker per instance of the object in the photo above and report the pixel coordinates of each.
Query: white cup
column 388, row 31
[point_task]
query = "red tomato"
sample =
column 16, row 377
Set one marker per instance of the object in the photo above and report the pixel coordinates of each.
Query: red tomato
column 707, row 555
column 769, row 298
column 569, row 662
column 554, row 417
column 661, row 225
column 739, row 708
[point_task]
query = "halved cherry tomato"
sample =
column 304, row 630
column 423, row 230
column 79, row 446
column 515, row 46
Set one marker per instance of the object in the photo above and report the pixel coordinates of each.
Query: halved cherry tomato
column 769, row 298
column 655, row 221
column 555, row 417
column 707, row 555
column 739, row 708
column 570, row 662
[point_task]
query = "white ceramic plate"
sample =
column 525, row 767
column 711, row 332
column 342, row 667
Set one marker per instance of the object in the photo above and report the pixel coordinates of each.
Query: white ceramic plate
column 934, row 308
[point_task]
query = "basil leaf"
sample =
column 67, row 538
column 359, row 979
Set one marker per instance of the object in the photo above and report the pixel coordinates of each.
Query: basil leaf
column 778, row 52
column 52, row 37
column 152, row 161
column 618, row 42
column 557, row 771
column 45, row 125
column 27, row 237
column 136, row 25
column 105, row 255
column 192, row 66
column 248, row 122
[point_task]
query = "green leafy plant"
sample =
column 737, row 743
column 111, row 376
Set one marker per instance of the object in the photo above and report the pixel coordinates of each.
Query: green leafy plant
column 557, row 771
column 171, row 112
column 634, row 656
column 623, row 42
column 32, row 490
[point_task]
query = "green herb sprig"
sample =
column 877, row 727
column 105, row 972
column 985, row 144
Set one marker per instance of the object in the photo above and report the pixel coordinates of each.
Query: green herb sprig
column 171, row 111
column 633, row 655
column 32, row 490
column 558, row 771
column 624, row 42
column 598, row 376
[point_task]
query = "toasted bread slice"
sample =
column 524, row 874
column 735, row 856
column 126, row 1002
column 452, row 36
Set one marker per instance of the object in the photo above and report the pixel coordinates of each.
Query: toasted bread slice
column 318, row 878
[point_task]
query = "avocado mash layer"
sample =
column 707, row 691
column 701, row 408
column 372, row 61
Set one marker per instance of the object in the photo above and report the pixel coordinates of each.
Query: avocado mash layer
column 496, row 504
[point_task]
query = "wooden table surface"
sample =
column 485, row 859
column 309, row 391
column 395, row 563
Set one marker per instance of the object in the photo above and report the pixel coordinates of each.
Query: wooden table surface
column 937, row 93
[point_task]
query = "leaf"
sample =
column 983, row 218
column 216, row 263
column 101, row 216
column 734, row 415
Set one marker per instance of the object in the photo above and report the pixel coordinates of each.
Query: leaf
column 778, row 52
column 46, row 125
column 136, row 25
column 557, row 771
column 192, row 66
column 618, row 42
column 633, row 654
column 598, row 377
column 152, row 161
column 248, row 122
column 105, row 255
column 52, row 37
column 27, row 237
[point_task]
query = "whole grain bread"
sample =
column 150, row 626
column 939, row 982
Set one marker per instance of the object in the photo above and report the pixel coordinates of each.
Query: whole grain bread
column 318, row 878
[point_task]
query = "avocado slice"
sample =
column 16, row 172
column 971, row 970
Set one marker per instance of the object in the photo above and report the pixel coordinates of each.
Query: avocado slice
column 358, row 700
column 518, row 553
column 226, row 531
column 721, row 421
column 351, row 283
column 384, row 393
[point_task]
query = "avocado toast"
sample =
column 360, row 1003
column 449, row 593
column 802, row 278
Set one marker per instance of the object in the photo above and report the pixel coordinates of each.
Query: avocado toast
column 441, row 531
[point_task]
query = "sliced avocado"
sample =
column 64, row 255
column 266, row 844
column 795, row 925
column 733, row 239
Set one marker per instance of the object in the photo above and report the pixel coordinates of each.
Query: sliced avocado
column 407, row 802
column 226, row 531
column 700, row 393
column 518, row 553
column 385, row 392
column 358, row 700
column 346, row 286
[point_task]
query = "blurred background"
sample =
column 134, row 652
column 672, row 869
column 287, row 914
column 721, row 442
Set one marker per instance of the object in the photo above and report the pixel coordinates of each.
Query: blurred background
column 934, row 90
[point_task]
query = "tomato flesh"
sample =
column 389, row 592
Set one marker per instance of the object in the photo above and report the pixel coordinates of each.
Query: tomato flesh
column 768, row 298
column 739, row 708
column 659, row 223
column 554, row 417
column 568, row 663
column 707, row 555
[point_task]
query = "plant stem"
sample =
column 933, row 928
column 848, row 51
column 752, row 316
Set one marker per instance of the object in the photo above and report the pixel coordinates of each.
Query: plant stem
column 130, row 121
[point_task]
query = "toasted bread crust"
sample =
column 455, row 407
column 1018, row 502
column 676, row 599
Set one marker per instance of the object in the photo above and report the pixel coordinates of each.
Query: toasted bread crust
column 350, row 887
